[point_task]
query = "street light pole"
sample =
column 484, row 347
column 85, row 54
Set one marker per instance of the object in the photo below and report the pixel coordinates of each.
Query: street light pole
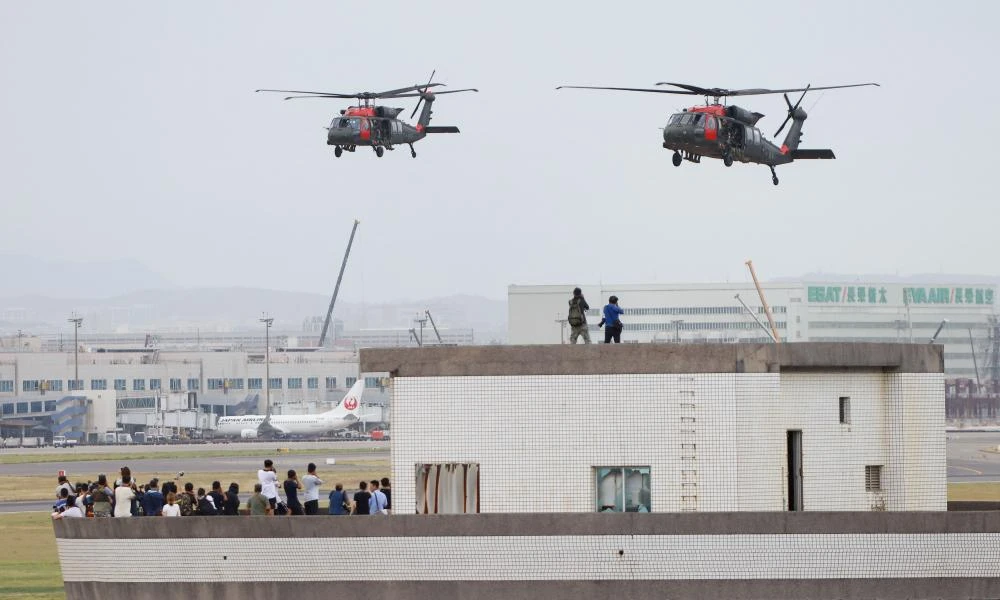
column 267, row 321
column 677, row 329
column 76, row 321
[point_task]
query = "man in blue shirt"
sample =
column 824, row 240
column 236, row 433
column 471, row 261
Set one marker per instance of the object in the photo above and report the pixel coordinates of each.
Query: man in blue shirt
column 613, row 324
column 152, row 500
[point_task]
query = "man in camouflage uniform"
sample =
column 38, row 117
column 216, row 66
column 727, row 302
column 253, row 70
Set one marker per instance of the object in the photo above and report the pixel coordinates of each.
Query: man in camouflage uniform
column 577, row 317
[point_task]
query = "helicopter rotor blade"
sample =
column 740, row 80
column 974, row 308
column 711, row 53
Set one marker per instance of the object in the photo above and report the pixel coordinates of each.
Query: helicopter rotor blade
column 406, row 89
column 720, row 92
column 335, row 94
column 628, row 89
column 791, row 109
column 417, row 107
column 323, row 96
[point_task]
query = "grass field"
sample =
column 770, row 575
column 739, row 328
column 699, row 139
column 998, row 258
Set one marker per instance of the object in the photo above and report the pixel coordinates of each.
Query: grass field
column 73, row 455
column 42, row 487
column 974, row 491
column 29, row 565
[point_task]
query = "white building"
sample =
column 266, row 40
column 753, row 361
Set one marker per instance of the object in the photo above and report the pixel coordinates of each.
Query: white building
column 803, row 312
column 661, row 428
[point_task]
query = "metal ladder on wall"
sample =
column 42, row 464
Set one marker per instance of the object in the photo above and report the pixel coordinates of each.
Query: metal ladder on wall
column 687, row 438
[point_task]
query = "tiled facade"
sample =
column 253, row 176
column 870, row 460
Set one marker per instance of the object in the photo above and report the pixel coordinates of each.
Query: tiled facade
column 712, row 442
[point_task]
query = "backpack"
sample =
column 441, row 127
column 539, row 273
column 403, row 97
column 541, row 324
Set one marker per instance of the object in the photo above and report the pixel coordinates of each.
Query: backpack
column 575, row 316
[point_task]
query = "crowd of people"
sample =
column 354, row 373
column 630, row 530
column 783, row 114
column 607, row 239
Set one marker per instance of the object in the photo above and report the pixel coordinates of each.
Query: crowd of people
column 127, row 498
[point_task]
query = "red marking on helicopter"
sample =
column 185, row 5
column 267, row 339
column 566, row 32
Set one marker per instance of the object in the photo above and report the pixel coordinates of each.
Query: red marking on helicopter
column 784, row 149
column 419, row 128
column 713, row 109
column 350, row 403
column 360, row 111
column 711, row 131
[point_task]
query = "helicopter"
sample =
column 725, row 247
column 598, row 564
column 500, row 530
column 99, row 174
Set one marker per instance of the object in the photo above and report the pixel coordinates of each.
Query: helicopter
column 729, row 132
column 377, row 126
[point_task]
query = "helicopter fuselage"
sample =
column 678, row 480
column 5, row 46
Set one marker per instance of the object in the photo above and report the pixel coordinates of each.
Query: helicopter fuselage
column 717, row 131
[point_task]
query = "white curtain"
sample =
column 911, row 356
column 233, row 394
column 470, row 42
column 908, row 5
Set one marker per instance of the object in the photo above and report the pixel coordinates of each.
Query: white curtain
column 447, row 488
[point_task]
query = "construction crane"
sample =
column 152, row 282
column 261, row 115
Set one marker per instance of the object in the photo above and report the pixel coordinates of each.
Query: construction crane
column 336, row 288
column 436, row 332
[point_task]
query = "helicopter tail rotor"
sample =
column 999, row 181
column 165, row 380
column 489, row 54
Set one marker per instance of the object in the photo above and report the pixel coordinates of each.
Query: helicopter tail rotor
column 791, row 109
column 422, row 92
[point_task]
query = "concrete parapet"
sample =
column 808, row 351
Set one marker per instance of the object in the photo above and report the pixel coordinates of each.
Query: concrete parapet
column 599, row 359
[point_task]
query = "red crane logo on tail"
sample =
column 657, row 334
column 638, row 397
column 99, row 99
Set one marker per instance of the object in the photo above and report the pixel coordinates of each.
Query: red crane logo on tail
column 350, row 403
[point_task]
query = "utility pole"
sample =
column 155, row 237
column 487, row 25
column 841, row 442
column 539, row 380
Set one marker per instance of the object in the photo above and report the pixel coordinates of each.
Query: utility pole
column 677, row 329
column 562, row 330
column 76, row 321
column 267, row 321
column 763, row 301
column 336, row 288
column 434, row 325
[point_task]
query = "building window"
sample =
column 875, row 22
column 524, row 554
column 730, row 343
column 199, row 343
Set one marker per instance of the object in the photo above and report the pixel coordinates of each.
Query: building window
column 120, row 385
column 312, row 383
column 236, row 383
column 845, row 410
column 351, row 381
column 22, row 408
column 214, row 383
column 7, row 385
column 873, row 478
column 255, row 383
column 98, row 384
column 295, row 383
column 154, row 384
column 54, row 385
column 8, row 409
column 138, row 385
column 622, row 489
column 447, row 488
column 50, row 406
column 36, row 407
column 371, row 382
column 175, row 384
column 193, row 384
column 331, row 383
column 74, row 384
column 30, row 385
column 274, row 383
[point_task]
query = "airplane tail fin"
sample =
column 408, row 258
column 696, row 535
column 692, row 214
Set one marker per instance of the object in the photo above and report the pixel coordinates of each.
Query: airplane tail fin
column 350, row 404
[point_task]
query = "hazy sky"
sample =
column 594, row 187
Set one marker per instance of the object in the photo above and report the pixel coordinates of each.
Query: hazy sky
column 132, row 130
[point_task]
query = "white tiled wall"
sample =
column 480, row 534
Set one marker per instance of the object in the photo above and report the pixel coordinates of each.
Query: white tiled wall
column 545, row 558
column 713, row 442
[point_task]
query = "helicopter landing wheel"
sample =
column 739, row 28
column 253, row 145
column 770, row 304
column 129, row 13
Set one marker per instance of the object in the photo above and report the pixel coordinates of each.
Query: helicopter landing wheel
column 337, row 151
column 413, row 152
column 379, row 151
column 774, row 177
column 727, row 159
column 677, row 159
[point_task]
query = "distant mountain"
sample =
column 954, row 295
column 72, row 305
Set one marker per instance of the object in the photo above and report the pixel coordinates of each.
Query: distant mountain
column 239, row 309
column 916, row 278
column 63, row 278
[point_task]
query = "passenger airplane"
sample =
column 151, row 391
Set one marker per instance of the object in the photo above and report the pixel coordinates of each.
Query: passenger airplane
column 253, row 426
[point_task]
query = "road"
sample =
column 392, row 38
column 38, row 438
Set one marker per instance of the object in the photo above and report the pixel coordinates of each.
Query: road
column 970, row 458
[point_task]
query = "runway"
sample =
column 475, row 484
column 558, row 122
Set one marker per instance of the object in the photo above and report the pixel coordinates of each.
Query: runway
column 973, row 457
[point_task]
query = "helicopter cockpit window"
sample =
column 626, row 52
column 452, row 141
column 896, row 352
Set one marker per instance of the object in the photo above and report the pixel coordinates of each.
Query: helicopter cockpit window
column 699, row 120
column 354, row 123
column 675, row 119
column 687, row 119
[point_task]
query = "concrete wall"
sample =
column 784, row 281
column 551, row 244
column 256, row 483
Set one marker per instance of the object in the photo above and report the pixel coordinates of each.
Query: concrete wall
column 555, row 557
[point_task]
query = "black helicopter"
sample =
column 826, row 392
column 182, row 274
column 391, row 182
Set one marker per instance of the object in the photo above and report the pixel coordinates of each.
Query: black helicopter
column 729, row 132
column 377, row 126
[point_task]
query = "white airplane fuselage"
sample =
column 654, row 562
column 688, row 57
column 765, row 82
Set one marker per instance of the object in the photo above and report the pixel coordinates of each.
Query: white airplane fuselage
column 252, row 426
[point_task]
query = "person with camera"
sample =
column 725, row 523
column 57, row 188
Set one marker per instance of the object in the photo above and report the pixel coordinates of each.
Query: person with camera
column 268, row 480
column 125, row 494
column 612, row 322
column 292, row 486
column 577, row 317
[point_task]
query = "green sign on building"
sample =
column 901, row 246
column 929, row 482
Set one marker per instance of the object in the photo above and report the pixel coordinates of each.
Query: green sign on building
column 862, row 294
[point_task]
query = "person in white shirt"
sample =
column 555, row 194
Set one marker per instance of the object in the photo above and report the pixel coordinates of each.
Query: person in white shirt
column 269, row 482
column 124, row 495
column 311, row 484
column 72, row 510
column 171, row 508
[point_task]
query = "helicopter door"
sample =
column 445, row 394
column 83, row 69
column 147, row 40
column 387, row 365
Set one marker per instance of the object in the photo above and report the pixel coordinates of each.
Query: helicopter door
column 366, row 132
column 711, row 128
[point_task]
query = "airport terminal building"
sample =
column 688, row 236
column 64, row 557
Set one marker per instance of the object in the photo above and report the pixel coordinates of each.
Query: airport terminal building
column 864, row 311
